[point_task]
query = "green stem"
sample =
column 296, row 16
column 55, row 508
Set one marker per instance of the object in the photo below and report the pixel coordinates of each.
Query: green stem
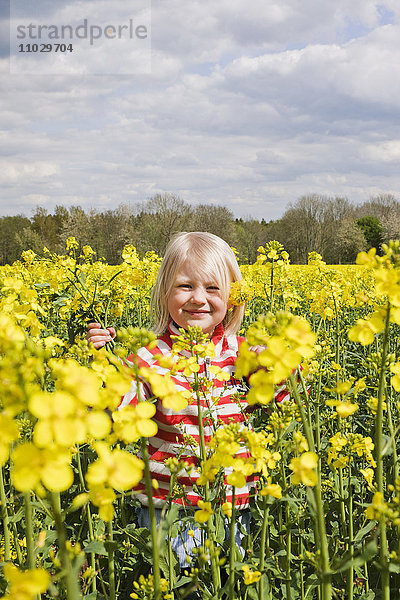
column 395, row 457
column 29, row 531
column 304, row 419
column 317, row 420
column 5, row 519
column 350, row 573
column 392, row 431
column 319, row 522
column 232, row 549
column 271, row 287
column 326, row 583
column 91, row 538
column 111, row 565
column 343, row 523
column 216, row 575
column 264, row 549
column 288, row 553
column 301, row 549
column 153, row 521
column 89, row 515
column 384, row 551
column 70, row 576
column 170, row 569
column 150, row 505
column 16, row 545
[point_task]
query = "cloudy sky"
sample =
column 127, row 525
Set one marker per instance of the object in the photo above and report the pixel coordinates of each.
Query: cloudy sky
column 246, row 103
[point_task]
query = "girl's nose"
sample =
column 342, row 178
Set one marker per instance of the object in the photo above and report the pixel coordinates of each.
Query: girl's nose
column 198, row 295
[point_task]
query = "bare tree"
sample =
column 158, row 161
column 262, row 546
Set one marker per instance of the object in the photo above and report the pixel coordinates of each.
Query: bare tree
column 302, row 225
column 391, row 227
column 215, row 219
column 336, row 211
column 159, row 218
column 250, row 235
column 347, row 242
column 381, row 206
column 10, row 227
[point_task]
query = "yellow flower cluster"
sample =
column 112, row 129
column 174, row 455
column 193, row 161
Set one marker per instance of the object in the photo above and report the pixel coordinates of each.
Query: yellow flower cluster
column 242, row 452
column 390, row 511
column 240, row 293
column 304, row 469
column 287, row 339
column 113, row 469
column 68, row 288
column 76, row 411
column 144, row 588
column 386, row 270
column 25, row 585
column 250, row 576
column 345, row 445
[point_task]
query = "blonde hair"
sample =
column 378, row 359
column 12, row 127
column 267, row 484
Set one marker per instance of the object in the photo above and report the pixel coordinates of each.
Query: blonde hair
column 209, row 255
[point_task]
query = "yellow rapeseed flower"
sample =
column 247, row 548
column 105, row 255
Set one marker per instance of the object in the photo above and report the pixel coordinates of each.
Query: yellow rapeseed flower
column 204, row 513
column 25, row 585
column 240, row 293
column 8, row 434
column 271, row 489
column 133, row 422
column 103, row 497
column 163, row 387
column 34, row 466
column 377, row 507
column 227, row 509
column 250, row 576
column 241, row 470
column 117, row 468
column 262, row 388
column 304, row 469
column 345, row 409
column 395, row 380
column 368, row 475
column 365, row 329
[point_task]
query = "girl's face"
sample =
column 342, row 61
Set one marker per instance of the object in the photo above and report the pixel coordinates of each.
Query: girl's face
column 196, row 300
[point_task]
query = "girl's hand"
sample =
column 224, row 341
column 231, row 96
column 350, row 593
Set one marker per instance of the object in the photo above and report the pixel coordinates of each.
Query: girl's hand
column 98, row 336
column 257, row 349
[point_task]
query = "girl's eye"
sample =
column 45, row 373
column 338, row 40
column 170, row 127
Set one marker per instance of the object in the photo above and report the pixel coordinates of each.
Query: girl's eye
column 185, row 285
column 213, row 288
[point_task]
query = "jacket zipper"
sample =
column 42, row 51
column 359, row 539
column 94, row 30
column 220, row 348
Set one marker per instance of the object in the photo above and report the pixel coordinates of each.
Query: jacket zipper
column 207, row 362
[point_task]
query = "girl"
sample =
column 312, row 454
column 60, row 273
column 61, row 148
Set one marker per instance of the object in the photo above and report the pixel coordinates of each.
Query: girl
column 192, row 289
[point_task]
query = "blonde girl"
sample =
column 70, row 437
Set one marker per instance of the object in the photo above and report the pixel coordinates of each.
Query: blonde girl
column 192, row 289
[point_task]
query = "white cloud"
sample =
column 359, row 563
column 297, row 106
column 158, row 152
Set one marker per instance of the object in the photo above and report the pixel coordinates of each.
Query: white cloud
column 13, row 172
column 249, row 104
column 386, row 152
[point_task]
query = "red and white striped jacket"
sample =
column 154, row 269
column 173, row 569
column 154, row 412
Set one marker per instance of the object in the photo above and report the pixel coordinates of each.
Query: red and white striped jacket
column 173, row 426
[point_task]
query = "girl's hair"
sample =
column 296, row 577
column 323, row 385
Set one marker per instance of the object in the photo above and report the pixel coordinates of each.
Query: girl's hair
column 206, row 253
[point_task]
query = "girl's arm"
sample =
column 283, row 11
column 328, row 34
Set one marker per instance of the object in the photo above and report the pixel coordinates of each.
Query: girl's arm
column 98, row 336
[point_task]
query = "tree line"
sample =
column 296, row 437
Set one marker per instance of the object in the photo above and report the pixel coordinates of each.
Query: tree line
column 331, row 226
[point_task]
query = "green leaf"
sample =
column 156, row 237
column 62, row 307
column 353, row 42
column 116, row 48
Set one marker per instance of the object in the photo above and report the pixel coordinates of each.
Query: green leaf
column 370, row 595
column 111, row 546
column 96, row 547
column 394, row 568
column 252, row 592
column 92, row 596
column 362, row 533
column 366, row 555
column 17, row 517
